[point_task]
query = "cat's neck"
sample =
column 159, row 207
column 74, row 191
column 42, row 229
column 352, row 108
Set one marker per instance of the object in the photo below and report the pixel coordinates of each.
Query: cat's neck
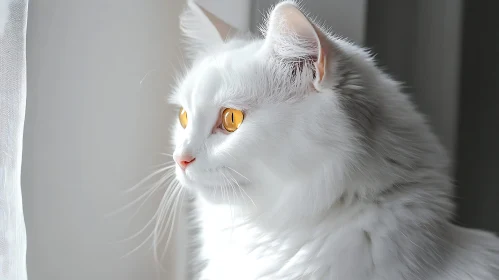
column 427, row 200
column 277, row 219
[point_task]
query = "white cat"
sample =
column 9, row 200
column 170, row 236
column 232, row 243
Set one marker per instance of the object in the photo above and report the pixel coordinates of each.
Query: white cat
column 306, row 161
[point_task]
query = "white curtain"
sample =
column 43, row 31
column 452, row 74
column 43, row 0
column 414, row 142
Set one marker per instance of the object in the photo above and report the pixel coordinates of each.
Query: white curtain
column 13, row 16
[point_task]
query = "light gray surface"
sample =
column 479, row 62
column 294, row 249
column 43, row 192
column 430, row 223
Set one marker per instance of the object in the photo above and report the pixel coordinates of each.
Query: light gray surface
column 234, row 12
column 93, row 130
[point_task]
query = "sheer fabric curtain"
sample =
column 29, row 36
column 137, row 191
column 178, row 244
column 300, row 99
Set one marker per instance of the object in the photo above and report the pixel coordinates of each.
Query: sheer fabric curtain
column 13, row 16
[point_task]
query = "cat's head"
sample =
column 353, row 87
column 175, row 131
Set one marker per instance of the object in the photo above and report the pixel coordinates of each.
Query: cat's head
column 284, row 120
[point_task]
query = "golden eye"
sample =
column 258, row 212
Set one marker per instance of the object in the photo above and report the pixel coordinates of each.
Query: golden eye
column 182, row 117
column 232, row 119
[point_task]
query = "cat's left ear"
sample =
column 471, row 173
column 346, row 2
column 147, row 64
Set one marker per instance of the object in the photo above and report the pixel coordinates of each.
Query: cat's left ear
column 293, row 37
column 203, row 29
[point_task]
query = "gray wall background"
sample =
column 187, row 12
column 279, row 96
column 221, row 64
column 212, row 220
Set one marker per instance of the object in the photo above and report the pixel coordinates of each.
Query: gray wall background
column 419, row 43
column 96, row 123
column 477, row 162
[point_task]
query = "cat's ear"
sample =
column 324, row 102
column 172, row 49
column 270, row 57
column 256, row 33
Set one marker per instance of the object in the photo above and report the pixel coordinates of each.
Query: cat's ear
column 203, row 29
column 293, row 37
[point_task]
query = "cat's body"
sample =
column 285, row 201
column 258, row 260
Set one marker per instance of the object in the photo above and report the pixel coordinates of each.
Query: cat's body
column 332, row 175
column 348, row 244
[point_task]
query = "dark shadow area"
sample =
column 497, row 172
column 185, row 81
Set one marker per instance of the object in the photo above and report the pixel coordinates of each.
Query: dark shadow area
column 477, row 161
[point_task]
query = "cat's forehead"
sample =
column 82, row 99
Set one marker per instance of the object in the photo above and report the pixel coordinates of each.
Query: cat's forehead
column 220, row 80
column 204, row 82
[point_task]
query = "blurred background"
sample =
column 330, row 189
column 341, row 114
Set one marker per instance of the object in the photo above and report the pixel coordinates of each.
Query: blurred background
column 97, row 121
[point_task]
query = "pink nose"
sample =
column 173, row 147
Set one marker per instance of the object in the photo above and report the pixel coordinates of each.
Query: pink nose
column 184, row 160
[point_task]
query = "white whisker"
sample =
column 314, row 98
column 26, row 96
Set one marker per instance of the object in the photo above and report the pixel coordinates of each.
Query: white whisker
column 232, row 169
column 232, row 186
column 155, row 188
column 225, row 152
column 141, row 182
column 166, row 154
column 242, row 189
column 167, row 206
column 172, row 227
column 147, row 194
column 170, row 192
column 141, row 231
column 228, row 197
column 138, row 247
column 165, row 222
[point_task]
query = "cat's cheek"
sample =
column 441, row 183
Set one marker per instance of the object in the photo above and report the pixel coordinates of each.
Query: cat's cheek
column 219, row 129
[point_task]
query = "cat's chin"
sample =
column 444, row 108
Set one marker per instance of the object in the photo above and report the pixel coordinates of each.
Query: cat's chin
column 217, row 193
column 214, row 185
column 211, row 186
column 208, row 178
column 198, row 183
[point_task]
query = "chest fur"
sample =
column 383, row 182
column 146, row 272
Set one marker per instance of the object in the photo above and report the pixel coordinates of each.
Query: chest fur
column 235, row 249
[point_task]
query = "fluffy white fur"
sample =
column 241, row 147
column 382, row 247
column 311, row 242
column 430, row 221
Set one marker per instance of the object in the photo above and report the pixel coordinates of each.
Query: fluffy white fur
column 329, row 177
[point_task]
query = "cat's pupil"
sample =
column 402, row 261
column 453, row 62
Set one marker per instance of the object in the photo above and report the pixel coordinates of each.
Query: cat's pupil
column 232, row 117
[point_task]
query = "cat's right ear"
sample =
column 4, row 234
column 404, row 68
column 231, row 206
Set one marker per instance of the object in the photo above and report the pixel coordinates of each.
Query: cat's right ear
column 293, row 37
column 202, row 29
